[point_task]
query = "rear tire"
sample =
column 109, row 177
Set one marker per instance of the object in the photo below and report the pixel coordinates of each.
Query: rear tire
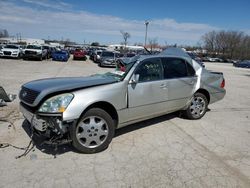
column 197, row 108
column 93, row 132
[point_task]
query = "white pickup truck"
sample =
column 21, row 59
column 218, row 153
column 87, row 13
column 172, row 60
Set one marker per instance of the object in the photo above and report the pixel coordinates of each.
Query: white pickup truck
column 34, row 52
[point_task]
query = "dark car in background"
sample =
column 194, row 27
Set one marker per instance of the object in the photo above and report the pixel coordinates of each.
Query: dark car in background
column 61, row 55
column 196, row 58
column 80, row 54
column 49, row 51
column 242, row 64
column 96, row 55
column 108, row 58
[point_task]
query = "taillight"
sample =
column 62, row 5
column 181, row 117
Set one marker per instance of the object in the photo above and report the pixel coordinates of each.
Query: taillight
column 222, row 85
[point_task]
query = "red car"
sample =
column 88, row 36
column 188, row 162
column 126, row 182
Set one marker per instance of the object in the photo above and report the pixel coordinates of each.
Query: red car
column 80, row 54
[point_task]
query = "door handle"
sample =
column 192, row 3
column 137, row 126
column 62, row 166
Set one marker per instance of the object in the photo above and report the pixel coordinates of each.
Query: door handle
column 191, row 82
column 164, row 86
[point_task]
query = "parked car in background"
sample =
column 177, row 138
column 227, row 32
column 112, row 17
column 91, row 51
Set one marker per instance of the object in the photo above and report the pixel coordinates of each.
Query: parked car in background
column 211, row 59
column 34, row 52
column 131, row 54
column 108, row 58
column 48, row 51
column 11, row 50
column 61, row 55
column 96, row 55
column 86, row 110
column 80, row 54
column 242, row 64
column 216, row 59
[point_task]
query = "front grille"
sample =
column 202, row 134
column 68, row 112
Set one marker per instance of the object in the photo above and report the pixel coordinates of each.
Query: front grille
column 30, row 52
column 28, row 95
column 6, row 53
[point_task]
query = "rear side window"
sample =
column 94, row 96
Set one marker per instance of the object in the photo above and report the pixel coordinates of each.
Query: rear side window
column 176, row 68
column 190, row 69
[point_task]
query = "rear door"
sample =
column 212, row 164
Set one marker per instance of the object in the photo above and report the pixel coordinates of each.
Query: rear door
column 181, row 81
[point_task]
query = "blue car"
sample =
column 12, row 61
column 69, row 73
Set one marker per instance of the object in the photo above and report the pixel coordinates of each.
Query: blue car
column 60, row 55
column 243, row 64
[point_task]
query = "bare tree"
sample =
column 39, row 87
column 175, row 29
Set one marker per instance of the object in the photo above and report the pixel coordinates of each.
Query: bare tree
column 234, row 42
column 4, row 33
column 209, row 41
column 227, row 44
column 152, row 43
column 125, row 36
column 221, row 44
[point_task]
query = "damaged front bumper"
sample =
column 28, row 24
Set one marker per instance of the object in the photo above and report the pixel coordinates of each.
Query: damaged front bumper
column 49, row 126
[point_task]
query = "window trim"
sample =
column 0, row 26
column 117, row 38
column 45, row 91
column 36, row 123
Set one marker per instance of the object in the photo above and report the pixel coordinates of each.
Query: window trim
column 189, row 74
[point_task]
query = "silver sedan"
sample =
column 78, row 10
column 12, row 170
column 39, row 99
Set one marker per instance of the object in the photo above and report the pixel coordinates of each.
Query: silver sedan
column 87, row 110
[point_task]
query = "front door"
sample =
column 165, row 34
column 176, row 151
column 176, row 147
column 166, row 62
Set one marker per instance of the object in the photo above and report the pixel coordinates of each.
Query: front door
column 147, row 97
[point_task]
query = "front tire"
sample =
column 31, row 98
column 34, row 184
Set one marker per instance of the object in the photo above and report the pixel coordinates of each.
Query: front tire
column 197, row 108
column 93, row 132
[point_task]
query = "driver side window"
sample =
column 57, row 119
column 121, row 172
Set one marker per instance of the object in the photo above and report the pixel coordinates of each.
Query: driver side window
column 150, row 70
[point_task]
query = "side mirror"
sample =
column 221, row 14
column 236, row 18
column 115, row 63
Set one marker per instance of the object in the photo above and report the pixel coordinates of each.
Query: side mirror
column 134, row 79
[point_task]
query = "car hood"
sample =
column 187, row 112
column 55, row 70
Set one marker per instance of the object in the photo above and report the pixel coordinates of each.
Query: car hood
column 45, row 87
column 10, row 49
column 34, row 50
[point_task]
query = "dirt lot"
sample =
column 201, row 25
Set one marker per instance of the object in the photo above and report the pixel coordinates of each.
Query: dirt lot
column 163, row 152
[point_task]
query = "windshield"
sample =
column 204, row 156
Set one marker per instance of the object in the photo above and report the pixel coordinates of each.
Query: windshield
column 78, row 50
column 121, row 70
column 61, row 52
column 46, row 47
column 33, row 47
column 107, row 54
column 11, row 46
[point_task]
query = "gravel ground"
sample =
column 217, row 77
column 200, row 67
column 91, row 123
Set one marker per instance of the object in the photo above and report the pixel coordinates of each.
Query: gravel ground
column 163, row 152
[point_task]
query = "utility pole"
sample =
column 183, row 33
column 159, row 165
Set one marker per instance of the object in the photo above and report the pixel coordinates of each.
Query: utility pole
column 146, row 34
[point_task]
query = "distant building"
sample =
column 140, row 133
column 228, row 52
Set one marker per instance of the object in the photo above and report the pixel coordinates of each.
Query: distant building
column 24, row 41
column 56, row 44
column 122, row 47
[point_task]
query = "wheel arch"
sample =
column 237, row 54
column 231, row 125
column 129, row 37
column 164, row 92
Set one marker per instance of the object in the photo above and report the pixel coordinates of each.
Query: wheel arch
column 204, row 92
column 106, row 106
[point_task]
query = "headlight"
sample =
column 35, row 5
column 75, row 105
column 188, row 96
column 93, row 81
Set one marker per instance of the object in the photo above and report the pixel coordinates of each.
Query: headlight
column 56, row 104
column 39, row 52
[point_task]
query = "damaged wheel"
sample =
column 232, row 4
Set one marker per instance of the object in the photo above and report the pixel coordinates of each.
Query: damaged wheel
column 93, row 132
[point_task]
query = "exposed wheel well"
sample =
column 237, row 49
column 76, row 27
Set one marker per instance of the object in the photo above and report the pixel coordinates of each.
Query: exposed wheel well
column 204, row 92
column 109, row 108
